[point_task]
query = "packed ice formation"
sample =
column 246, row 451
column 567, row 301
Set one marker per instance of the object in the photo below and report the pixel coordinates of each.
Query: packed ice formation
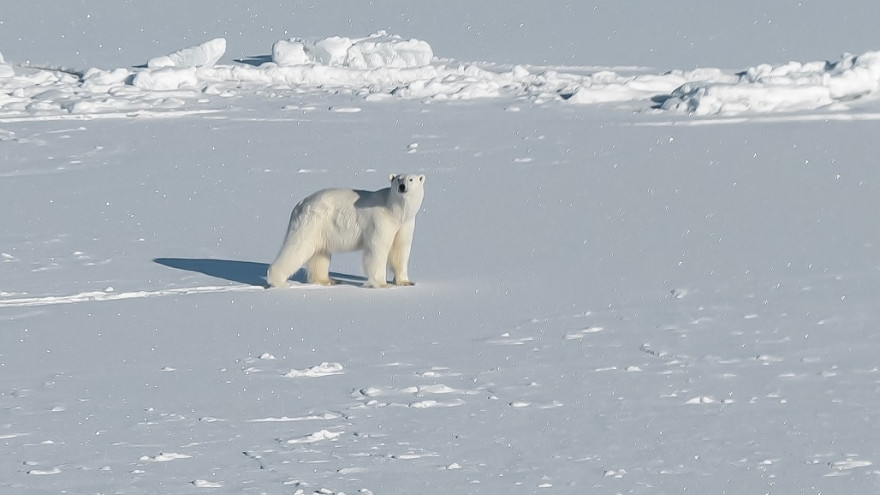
column 383, row 65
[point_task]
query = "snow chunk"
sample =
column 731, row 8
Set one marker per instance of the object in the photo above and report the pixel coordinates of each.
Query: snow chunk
column 165, row 457
column 855, row 76
column 205, row 55
column 288, row 53
column 430, row 404
column 580, row 334
column 381, row 50
column 101, row 80
column 5, row 69
column 44, row 472
column 207, row 484
column 286, row 419
column 166, row 79
column 376, row 51
column 437, row 389
column 851, row 464
column 329, row 51
column 708, row 98
column 323, row 369
column 353, row 470
column 315, row 437
column 336, row 109
column 615, row 473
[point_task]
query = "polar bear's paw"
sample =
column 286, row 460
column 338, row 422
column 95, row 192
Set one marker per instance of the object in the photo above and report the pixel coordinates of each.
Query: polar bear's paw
column 404, row 283
column 373, row 285
column 278, row 284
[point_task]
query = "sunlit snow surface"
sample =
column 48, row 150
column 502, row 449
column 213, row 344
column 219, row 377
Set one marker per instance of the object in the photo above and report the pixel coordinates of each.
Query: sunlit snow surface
column 629, row 279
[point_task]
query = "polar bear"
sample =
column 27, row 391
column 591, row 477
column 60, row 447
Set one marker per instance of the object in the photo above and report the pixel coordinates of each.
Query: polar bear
column 381, row 223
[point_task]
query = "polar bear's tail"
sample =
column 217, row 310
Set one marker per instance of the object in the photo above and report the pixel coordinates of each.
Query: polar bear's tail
column 298, row 247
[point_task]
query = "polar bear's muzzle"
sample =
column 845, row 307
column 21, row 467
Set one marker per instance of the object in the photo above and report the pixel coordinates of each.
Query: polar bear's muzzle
column 401, row 187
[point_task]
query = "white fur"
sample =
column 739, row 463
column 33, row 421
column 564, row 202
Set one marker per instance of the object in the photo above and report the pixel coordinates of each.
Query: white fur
column 381, row 223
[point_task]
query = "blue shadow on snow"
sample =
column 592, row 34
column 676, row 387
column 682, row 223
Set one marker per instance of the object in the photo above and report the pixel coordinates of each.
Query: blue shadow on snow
column 243, row 272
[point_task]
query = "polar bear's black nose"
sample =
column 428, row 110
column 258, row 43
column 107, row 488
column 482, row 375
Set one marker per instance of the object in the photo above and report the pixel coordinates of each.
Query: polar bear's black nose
column 401, row 188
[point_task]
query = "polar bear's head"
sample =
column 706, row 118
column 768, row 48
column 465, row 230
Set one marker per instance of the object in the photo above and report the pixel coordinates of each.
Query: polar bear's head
column 408, row 190
column 405, row 183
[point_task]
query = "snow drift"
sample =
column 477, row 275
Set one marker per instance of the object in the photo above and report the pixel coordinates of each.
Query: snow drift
column 383, row 65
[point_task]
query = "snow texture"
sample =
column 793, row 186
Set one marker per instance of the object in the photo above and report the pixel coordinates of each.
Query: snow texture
column 646, row 261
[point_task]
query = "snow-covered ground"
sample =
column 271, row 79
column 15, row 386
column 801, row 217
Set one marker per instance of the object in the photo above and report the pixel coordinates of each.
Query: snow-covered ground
column 647, row 261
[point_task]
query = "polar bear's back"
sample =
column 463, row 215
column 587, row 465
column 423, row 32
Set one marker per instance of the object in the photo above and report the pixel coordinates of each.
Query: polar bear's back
column 337, row 217
column 330, row 202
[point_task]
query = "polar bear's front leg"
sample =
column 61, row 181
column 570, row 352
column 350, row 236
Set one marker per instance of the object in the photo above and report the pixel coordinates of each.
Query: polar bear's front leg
column 398, row 258
column 376, row 262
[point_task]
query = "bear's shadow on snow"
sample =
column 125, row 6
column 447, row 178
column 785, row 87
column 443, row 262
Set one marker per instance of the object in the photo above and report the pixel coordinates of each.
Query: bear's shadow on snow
column 244, row 272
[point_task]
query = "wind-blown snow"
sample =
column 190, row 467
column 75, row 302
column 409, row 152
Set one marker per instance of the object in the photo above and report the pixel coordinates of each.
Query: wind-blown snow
column 383, row 65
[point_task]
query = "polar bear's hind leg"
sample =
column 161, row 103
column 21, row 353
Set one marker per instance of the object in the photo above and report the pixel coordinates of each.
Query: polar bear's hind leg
column 293, row 255
column 319, row 269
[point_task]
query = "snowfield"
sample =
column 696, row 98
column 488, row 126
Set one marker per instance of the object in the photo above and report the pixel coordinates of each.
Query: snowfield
column 641, row 275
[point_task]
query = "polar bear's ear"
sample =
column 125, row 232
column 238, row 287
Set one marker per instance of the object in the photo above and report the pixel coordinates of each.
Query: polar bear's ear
column 422, row 178
column 391, row 178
